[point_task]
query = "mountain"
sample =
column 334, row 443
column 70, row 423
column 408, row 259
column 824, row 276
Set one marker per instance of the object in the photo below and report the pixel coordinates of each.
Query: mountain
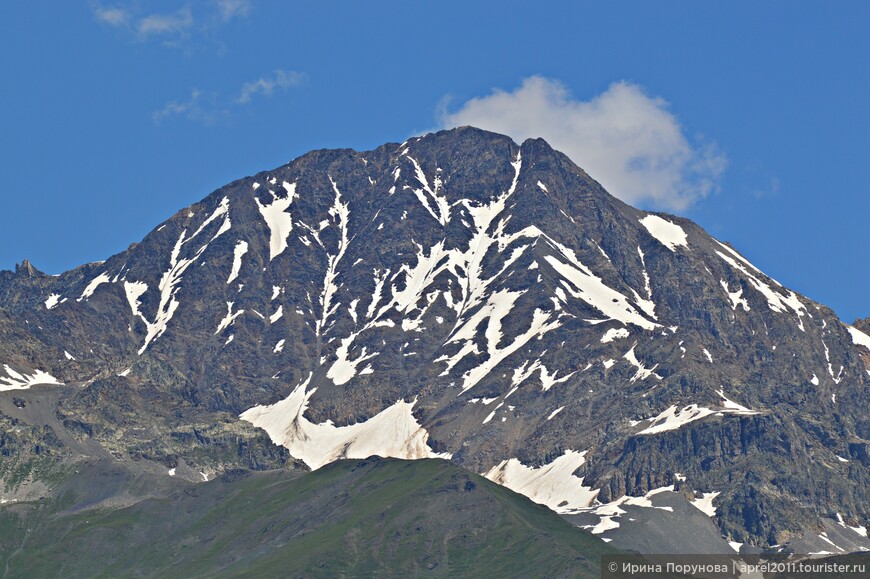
column 456, row 296
column 373, row 517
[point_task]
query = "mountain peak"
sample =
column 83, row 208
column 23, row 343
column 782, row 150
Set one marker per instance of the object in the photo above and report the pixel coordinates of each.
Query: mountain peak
column 26, row 269
column 457, row 295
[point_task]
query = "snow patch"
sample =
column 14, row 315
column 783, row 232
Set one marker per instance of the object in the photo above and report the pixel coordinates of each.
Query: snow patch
column 705, row 503
column 351, row 309
column 240, row 250
column 339, row 212
column 548, row 380
column 229, row 318
column 222, row 210
column 839, row 377
column 280, row 222
column 859, row 338
column 674, row 418
column 277, row 315
column 731, row 406
column 439, row 208
column 581, row 283
column 21, row 381
column 494, row 312
column 393, row 432
column 647, row 304
column 668, row 234
column 614, row 334
column 553, row 484
column 611, row 511
column 52, row 301
column 735, row 545
column 642, row 372
column 555, row 412
column 133, row 291
column 736, row 298
column 93, row 285
column 824, row 536
column 776, row 301
column 344, row 368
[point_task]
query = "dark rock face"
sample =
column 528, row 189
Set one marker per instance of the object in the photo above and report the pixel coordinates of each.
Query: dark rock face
column 526, row 311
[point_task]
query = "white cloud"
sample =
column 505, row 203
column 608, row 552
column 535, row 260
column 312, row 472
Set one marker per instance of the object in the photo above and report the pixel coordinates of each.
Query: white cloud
column 179, row 29
column 112, row 16
column 175, row 23
column 625, row 139
column 282, row 80
column 229, row 9
column 177, row 108
column 210, row 108
column 195, row 109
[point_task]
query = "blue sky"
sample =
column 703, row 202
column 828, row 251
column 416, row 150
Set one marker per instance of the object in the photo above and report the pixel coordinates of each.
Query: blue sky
column 749, row 117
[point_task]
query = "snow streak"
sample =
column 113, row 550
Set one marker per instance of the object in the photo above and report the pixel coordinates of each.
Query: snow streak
column 171, row 280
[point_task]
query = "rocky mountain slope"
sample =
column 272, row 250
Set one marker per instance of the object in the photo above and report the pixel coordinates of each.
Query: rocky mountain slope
column 456, row 296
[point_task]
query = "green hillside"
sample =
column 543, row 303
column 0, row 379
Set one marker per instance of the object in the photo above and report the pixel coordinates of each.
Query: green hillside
column 351, row 518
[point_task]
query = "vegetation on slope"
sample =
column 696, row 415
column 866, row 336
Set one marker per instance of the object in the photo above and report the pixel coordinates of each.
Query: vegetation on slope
column 351, row 518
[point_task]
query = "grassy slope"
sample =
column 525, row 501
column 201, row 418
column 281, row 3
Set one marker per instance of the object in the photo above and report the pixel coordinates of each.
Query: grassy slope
column 352, row 518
